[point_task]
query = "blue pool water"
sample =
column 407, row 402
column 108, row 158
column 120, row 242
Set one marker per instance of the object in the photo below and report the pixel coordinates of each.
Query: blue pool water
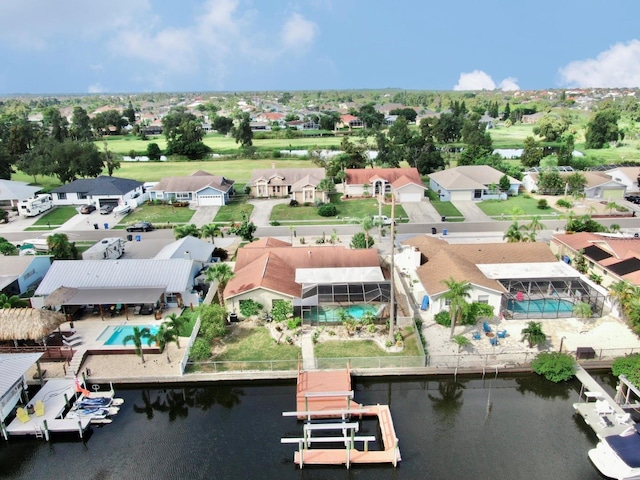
column 115, row 335
column 550, row 305
column 330, row 313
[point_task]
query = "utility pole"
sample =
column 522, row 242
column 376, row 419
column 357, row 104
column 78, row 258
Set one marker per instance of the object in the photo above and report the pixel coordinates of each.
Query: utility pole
column 392, row 308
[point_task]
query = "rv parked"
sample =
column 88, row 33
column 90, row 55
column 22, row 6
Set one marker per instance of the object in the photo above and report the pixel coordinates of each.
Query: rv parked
column 35, row 206
column 105, row 249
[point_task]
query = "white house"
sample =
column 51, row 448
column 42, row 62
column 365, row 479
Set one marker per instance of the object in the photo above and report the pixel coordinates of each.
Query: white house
column 470, row 182
column 99, row 191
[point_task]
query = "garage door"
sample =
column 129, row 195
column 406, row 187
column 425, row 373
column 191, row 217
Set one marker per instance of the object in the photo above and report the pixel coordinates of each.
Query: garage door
column 208, row 200
column 108, row 201
column 411, row 197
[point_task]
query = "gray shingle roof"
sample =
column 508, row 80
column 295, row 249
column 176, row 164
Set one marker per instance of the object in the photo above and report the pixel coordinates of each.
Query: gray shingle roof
column 102, row 185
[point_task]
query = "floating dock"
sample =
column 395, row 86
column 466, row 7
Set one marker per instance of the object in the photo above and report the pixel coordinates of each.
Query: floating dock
column 323, row 395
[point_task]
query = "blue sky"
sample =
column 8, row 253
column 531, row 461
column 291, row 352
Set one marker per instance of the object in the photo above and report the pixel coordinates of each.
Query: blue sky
column 80, row 46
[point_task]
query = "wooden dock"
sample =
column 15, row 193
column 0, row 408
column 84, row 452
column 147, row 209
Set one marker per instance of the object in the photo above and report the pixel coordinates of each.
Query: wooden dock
column 328, row 394
column 57, row 395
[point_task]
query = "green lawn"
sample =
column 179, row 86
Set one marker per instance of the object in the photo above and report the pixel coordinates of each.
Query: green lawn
column 158, row 214
column 232, row 212
column 56, row 217
column 256, row 344
column 505, row 208
column 445, row 209
column 366, row 348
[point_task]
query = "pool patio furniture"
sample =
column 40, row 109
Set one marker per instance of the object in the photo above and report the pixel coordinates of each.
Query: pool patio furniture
column 603, row 407
column 494, row 341
column 22, row 415
column 486, row 327
column 502, row 334
column 476, row 335
column 39, row 408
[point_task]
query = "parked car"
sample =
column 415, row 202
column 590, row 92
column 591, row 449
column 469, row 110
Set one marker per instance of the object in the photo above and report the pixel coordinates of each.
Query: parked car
column 86, row 209
column 140, row 227
column 106, row 209
column 381, row 219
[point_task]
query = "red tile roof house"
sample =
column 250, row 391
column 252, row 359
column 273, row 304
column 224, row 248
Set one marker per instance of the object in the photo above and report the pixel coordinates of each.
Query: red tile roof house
column 199, row 189
column 404, row 183
column 316, row 279
column 299, row 184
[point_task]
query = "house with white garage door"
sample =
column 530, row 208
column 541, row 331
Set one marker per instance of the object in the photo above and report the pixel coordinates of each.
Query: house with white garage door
column 404, row 183
column 99, row 191
column 199, row 189
column 471, row 182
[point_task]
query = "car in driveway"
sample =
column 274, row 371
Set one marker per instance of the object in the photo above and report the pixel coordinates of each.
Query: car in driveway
column 86, row 209
column 106, row 209
column 140, row 227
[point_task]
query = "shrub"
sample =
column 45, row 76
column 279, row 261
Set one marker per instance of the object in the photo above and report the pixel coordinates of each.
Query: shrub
column 564, row 203
column 221, row 253
column 249, row 308
column 200, row 350
column 555, row 366
column 294, row 203
column 472, row 311
column 213, row 318
column 327, row 210
column 629, row 366
column 280, row 310
column 293, row 323
column 274, row 223
column 443, row 318
column 543, row 204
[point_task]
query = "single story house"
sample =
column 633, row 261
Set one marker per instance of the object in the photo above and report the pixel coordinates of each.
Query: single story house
column 599, row 185
column 123, row 281
column 628, row 176
column 349, row 121
column 404, row 183
column 470, row 182
column 12, row 193
column 19, row 274
column 102, row 190
column 519, row 280
column 191, row 248
column 199, row 189
column 299, row 184
column 319, row 280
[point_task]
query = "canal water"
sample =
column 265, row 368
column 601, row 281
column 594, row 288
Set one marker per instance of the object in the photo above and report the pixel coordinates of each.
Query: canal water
column 493, row 428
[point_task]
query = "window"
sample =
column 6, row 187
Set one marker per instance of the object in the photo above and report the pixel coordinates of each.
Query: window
column 159, row 195
column 183, row 196
column 483, row 298
column 62, row 196
column 82, row 195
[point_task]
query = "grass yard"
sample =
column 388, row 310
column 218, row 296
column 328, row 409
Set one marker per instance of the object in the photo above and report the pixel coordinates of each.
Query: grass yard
column 158, row 214
column 366, row 348
column 504, row 208
column 256, row 344
column 56, row 217
column 445, row 209
column 232, row 212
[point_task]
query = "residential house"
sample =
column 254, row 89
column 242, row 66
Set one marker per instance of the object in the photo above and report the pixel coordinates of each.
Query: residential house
column 102, row 190
column 318, row 280
column 471, row 182
column 19, row 274
column 299, row 184
column 199, row 189
column 191, row 248
column 628, row 176
column 404, row 183
column 599, row 185
column 519, row 280
column 349, row 121
column 12, row 193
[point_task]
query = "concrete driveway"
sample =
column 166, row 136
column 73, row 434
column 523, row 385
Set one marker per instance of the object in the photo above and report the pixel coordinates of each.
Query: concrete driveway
column 471, row 212
column 262, row 209
column 204, row 216
column 421, row 212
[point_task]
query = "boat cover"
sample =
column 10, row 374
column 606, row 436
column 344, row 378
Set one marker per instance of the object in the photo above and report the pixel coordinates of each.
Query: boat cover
column 627, row 448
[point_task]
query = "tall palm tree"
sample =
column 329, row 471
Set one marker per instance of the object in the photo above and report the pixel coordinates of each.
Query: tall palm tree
column 534, row 227
column 457, row 294
column 533, row 334
column 174, row 323
column 60, row 247
column 211, row 230
column 221, row 273
column 136, row 337
column 620, row 293
column 163, row 337
column 13, row 301
column 366, row 223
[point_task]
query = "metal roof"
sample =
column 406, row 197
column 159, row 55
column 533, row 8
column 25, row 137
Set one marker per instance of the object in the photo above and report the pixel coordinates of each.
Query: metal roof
column 11, row 190
column 175, row 274
column 188, row 247
column 13, row 366
column 92, row 296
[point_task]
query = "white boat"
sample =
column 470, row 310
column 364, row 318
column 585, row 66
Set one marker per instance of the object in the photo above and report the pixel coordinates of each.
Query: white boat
column 122, row 209
column 618, row 456
column 92, row 412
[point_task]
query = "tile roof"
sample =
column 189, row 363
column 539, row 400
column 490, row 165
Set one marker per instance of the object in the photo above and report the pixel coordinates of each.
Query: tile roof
column 269, row 271
column 361, row 176
column 102, row 185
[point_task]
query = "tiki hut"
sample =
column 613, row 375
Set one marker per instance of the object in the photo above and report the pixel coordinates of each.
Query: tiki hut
column 28, row 323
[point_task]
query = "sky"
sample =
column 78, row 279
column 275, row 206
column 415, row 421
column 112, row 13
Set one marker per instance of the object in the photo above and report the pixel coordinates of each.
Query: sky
column 126, row 46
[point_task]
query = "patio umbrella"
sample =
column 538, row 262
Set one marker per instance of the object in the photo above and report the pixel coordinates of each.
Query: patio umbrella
column 28, row 323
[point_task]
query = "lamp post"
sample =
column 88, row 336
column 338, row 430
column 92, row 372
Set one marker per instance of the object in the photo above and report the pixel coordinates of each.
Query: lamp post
column 561, row 343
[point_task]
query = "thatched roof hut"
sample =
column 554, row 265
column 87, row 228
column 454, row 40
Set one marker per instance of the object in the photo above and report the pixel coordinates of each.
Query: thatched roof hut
column 28, row 323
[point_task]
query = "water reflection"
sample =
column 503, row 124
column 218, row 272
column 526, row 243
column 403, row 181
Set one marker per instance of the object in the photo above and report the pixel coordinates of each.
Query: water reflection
column 543, row 388
column 450, row 399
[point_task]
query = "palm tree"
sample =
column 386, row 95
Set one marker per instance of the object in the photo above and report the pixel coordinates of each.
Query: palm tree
column 582, row 310
column 13, row 301
column 457, row 294
column 60, row 247
column 136, row 337
column 620, row 293
column 534, row 227
column 163, row 337
column 533, row 334
column 514, row 233
column 367, row 224
column 182, row 231
column 212, row 230
column 612, row 206
column 221, row 273
column 174, row 323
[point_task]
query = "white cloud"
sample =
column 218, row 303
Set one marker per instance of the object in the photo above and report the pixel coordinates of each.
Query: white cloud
column 96, row 88
column 298, row 32
column 509, row 84
column 476, row 80
column 619, row 66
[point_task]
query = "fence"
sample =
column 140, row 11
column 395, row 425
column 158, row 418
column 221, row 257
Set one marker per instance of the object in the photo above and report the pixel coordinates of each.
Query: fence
column 242, row 366
column 370, row 362
column 192, row 338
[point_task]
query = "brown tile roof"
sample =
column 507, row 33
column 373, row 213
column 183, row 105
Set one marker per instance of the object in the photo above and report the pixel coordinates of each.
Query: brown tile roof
column 361, row 176
column 468, row 177
column 267, row 242
column 268, row 271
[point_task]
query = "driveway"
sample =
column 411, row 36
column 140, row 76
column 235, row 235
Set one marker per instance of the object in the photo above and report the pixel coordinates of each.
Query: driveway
column 262, row 210
column 421, row 212
column 471, row 212
column 204, row 216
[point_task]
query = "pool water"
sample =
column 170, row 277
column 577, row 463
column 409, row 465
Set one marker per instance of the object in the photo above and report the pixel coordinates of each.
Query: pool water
column 550, row 305
column 115, row 335
column 331, row 313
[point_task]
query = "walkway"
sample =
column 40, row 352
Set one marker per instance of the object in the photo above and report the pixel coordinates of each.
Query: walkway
column 308, row 356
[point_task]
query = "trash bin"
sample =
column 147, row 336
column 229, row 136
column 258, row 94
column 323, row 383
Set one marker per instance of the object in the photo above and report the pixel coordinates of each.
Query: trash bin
column 444, row 231
column 106, row 226
column 95, row 225
column 138, row 238
column 233, row 317
column 433, row 230
column 129, row 237
column 444, row 219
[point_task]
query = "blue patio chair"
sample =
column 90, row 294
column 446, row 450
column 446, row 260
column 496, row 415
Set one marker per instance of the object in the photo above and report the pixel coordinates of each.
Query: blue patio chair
column 476, row 335
column 502, row 334
column 486, row 327
column 494, row 341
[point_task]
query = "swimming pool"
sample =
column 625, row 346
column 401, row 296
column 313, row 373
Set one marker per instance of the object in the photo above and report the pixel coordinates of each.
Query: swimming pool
column 548, row 305
column 115, row 334
column 331, row 314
